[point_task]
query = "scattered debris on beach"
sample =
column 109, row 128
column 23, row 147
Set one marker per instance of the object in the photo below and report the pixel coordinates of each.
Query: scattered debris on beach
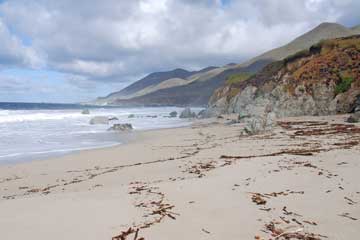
column 347, row 215
column 258, row 199
column 153, row 202
column 303, row 140
column 128, row 232
column 291, row 232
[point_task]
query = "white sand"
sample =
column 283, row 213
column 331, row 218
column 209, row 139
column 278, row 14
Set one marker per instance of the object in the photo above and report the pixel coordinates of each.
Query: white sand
column 86, row 195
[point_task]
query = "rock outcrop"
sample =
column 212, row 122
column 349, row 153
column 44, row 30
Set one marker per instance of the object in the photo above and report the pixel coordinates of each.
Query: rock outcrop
column 354, row 118
column 322, row 80
column 356, row 106
column 259, row 123
column 187, row 113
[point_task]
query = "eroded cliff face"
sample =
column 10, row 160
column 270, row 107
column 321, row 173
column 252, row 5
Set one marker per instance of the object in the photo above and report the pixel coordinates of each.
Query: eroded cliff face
column 322, row 80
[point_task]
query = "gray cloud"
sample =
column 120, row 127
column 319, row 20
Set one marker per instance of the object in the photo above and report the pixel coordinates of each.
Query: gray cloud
column 117, row 41
column 14, row 53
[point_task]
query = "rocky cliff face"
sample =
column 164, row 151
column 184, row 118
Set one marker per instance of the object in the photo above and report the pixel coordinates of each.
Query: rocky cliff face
column 322, row 80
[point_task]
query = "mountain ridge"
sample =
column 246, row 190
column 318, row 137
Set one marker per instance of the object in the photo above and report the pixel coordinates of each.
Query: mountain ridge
column 323, row 31
column 180, row 86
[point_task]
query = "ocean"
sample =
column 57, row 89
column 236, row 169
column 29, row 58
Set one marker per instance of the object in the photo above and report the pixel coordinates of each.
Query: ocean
column 32, row 131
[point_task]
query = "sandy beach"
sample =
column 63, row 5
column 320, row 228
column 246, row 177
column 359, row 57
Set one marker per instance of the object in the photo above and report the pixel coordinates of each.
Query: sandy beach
column 206, row 181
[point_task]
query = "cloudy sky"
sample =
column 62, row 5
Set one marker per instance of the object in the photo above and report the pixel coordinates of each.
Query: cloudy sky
column 71, row 51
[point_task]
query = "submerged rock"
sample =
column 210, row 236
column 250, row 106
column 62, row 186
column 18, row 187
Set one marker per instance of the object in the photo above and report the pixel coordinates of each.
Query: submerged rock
column 121, row 127
column 113, row 118
column 85, row 111
column 99, row 120
column 131, row 116
column 187, row 113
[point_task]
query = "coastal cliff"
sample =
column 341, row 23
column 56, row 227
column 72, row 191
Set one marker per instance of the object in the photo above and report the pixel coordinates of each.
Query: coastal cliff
column 321, row 80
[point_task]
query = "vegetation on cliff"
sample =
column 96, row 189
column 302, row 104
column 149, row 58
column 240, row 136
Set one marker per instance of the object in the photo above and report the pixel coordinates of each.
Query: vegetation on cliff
column 326, row 76
column 344, row 85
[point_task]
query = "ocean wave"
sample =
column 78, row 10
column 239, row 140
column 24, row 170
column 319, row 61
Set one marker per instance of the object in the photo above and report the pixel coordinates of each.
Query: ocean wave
column 4, row 112
column 27, row 133
column 9, row 117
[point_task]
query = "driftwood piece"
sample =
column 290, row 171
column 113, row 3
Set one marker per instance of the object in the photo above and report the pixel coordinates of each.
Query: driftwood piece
column 347, row 215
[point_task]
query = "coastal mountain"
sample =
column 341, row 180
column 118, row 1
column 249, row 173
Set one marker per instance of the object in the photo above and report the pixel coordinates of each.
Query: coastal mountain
column 149, row 80
column 321, row 80
column 180, row 87
column 196, row 93
column 321, row 32
column 158, row 81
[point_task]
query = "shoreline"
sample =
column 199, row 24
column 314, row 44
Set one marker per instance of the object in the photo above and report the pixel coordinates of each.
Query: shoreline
column 40, row 134
column 188, row 182
column 126, row 137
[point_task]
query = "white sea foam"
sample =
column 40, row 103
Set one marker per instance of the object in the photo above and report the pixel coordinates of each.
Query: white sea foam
column 35, row 115
column 33, row 134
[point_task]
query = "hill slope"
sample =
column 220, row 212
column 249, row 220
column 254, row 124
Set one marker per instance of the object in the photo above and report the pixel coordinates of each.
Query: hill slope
column 321, row 32
column 149, row 80
column 325, row 79
column 196, row 93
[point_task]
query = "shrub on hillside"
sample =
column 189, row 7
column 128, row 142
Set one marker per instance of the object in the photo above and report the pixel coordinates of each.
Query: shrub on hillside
column 239, row 77
column 344, row 85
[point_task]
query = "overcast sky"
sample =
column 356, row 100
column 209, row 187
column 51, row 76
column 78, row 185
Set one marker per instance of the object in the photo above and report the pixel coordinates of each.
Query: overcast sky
column 76, row 50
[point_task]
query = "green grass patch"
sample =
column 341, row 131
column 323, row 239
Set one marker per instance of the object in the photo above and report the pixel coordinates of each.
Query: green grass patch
column 239, row 77
column 344, row 85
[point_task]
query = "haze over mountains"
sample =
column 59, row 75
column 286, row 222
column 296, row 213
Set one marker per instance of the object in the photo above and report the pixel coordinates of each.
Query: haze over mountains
column 181, row 87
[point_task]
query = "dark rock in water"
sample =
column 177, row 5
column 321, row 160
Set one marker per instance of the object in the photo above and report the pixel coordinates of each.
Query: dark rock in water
column 85, row 111
column 173, row 114
column 121, row 127
column 131, row 116
column 187, row 113
column 354, row 118
column 99, row 120
column 112, row 118
column 151, row 116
